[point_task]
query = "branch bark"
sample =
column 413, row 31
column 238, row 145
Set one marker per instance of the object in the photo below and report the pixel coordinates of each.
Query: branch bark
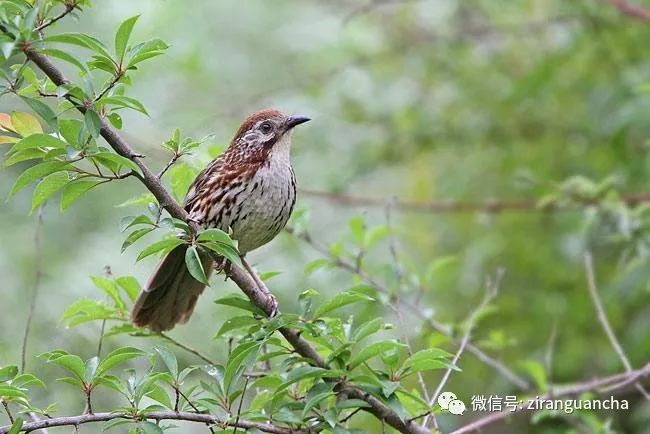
column 241, row 278
column 620, row 381
column 157, row 416
column 490, row 206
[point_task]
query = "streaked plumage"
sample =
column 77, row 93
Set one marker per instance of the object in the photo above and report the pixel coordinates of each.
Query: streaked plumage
column 249, row 189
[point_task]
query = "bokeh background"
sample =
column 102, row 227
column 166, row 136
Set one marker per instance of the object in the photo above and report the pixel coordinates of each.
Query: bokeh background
column 419, row 100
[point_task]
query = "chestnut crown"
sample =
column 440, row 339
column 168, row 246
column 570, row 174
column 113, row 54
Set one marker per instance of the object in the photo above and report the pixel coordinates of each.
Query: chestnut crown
column 264, row 128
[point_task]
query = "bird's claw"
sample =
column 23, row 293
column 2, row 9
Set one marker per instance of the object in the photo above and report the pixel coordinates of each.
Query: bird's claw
column 272, row 304
column 220, row 265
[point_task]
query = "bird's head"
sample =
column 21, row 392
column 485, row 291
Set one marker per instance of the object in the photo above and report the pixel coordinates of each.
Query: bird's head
column 266, row 131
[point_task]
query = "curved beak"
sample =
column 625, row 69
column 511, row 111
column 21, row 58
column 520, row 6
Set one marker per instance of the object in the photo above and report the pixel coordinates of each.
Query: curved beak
column 292, row 121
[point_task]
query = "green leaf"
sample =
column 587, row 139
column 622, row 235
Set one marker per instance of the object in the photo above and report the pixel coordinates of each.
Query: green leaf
column 220, row 242
column 130, row 221
column 229, row 252
column 314, row 401
column 169, row 360
column 194, row 265
column 25, row 124
column 8, row 373
column 373, row 350
column 91, row 369
column 130, row 285
column 26, row 380
column 122, row 36
column 7, row 391
column 85, row 310
column 428, row 359
column 63, row 55
column 235, row 323
column 47, row 187
column 309, row 372
column 109, row 288
column 43, row 110
column 146, row 50
column 315, row 265
column 358, row 229
column 72, row 363
column 240, row 303
column 341, row 299
column 115, row 120
column 215, row 235
column 181, row 177
column 135, row 236
column 118, row 161
column 35, row 172
column 166, row 244
column 93, row 123
column 16, row 426
column 159, row 394
column 367, row 329
column 81, row 40
column 537, row 372
column 118, row 357
column 121, row 101
column 241, row 357
column 150, row 428
column 74, row 190
column 39, row 140
column 27, row 154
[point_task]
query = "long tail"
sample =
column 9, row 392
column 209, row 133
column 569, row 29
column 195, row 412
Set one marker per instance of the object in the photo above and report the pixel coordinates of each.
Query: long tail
column 171, row 293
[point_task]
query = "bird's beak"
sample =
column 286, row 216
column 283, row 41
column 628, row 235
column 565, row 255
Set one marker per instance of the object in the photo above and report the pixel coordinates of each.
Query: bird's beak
column 295, row 120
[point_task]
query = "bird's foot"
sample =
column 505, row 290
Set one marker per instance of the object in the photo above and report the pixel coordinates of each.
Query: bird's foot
column 272, row 304
column 220, row 265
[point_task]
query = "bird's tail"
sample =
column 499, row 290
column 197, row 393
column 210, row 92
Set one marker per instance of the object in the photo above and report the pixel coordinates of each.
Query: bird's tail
column 171, row 293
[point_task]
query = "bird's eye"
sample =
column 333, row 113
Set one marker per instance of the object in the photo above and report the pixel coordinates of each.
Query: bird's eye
column 266, row 127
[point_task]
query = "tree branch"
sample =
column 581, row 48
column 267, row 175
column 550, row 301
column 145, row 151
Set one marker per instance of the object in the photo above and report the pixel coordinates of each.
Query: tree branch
column 236, row 274
column 631, row 10
column 491, row 206
column 620, row 382
column 602, row 318
column 157, row 416
column 68, row 8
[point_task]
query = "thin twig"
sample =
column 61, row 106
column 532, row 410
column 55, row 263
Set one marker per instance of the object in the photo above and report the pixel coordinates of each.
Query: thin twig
column 241, row 402
column 187, row 348
column 194, row 407
column 548, row 357
column 491, row 290
column 620, row 382
column 38, row 273
column 109, row 274
column 604, row 321
column 169, row 164
column 118, row 75
column 6, row 407
column 68, row 8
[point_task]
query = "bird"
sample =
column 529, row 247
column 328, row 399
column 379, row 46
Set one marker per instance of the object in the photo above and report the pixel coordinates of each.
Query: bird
column 248, row 191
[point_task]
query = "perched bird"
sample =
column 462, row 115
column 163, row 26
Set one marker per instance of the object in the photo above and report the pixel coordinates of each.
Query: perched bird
column 250, row 190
